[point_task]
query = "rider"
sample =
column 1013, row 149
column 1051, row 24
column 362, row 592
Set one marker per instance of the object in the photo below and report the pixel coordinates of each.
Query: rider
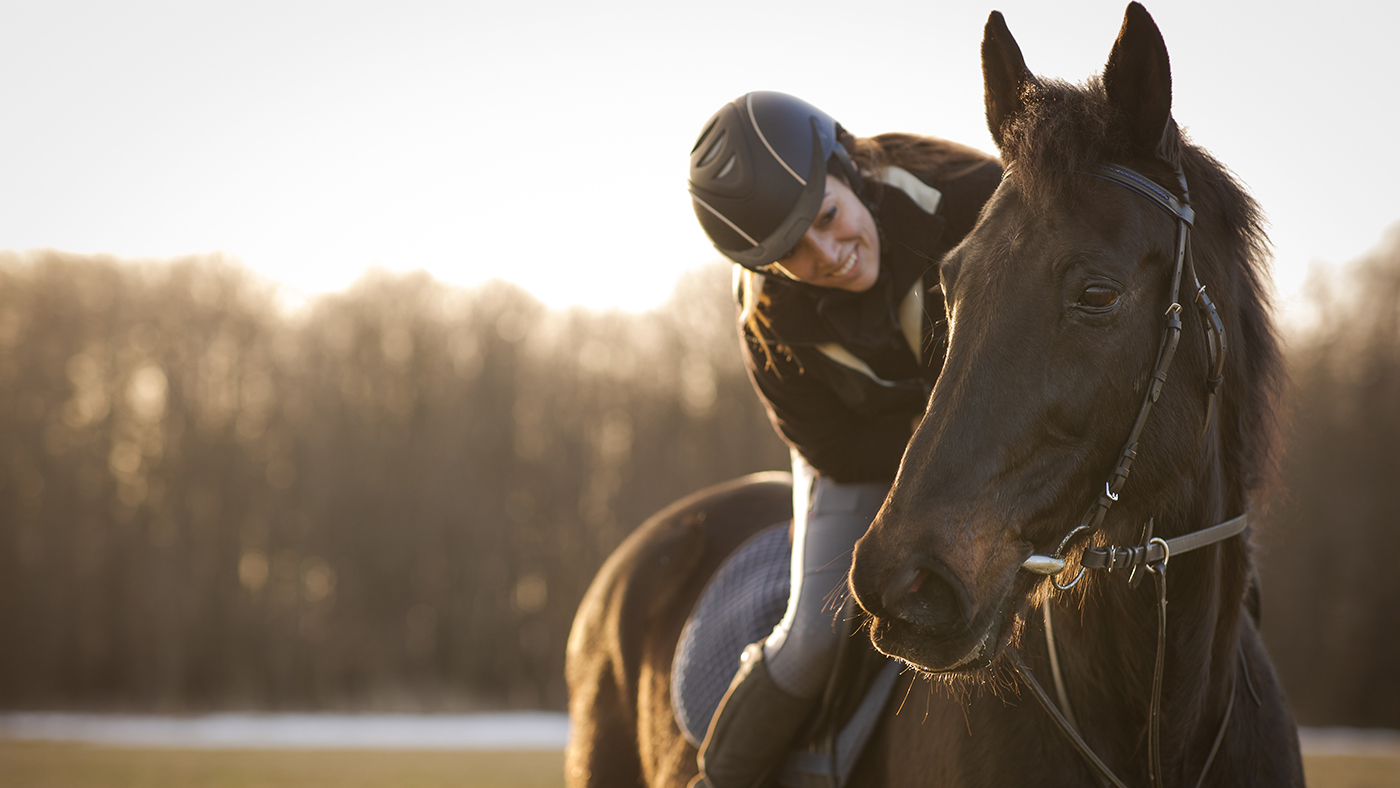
column 841, row 313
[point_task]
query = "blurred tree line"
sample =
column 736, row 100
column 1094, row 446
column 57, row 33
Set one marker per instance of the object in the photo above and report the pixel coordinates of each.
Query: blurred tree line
column 395, row 497
column 392, row 500
column 1330, row 537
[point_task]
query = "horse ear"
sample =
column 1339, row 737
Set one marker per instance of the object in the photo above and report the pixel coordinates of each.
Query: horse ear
column 1005, row 74
column 1138, row 80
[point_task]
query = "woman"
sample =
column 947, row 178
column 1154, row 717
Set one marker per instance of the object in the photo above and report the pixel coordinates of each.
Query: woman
column 842, row 320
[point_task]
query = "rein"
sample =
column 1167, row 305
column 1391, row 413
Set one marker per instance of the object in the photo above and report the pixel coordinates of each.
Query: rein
column 1154, row 553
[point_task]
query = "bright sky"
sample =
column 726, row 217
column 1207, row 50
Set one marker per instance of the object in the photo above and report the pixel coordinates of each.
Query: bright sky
column 546, row 143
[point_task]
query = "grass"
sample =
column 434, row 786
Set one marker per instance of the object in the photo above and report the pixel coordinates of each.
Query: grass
column 50, row 765
column 1352, row 771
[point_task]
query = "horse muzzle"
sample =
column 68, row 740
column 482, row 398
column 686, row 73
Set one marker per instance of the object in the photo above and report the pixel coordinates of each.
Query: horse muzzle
column 924, row 612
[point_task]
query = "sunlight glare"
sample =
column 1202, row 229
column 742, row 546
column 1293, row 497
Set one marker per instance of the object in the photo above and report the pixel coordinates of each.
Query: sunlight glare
column 551, row 151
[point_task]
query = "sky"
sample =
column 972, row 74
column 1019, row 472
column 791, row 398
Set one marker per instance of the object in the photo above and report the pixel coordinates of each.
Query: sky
column 546, row 143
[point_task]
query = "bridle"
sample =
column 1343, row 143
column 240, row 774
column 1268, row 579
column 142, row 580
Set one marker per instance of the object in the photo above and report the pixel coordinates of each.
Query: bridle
column 1154, row 552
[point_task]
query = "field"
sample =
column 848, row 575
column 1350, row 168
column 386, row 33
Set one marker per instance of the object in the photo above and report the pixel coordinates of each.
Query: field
column 46, row 765
column 1356, row 771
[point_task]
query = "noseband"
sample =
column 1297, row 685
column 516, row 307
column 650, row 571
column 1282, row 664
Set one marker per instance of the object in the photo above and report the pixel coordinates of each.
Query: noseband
column 1154, row 553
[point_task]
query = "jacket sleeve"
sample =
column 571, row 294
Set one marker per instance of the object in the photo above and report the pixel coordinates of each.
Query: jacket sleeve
column 837, row 441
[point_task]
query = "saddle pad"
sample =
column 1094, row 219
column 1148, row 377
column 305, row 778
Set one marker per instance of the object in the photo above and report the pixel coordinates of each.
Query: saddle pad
column 741, row 605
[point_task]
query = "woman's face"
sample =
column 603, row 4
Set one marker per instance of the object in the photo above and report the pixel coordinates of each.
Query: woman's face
column 842, row 247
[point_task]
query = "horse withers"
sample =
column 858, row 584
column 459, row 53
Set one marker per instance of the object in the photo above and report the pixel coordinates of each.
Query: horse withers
column 1061, row 305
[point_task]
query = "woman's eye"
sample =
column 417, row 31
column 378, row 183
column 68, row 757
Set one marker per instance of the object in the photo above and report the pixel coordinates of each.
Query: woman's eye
column 1098, row 296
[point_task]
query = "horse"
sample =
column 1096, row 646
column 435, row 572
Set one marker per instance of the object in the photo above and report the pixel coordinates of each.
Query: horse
column 976, row 573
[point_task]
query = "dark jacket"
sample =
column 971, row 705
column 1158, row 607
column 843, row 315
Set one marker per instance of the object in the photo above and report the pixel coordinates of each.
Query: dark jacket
column 849, row 426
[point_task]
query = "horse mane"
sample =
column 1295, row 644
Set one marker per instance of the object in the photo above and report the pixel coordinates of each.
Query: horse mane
column 1069, row 128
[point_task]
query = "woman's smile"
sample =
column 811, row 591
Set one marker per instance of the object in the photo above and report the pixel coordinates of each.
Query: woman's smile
column 850, row 264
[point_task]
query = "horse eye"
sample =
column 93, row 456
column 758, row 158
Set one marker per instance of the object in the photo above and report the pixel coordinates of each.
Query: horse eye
column 1098, row 296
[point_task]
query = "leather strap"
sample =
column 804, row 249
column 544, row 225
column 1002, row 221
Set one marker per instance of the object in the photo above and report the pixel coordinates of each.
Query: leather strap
column 1100, row 768
column 1158, row 550
column 1145, row 187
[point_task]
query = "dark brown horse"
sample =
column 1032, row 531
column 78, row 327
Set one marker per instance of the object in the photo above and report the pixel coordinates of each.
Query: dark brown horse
column 1055, row 308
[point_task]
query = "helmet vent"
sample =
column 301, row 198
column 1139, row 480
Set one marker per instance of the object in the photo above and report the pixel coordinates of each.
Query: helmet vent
column 729, row 165
column 713, row 151
column 700, row 140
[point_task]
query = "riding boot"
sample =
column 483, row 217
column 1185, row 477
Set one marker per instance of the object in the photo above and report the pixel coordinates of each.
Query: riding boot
column 753, row 728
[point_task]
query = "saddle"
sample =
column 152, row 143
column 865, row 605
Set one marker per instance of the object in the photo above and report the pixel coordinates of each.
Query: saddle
column 740, row 605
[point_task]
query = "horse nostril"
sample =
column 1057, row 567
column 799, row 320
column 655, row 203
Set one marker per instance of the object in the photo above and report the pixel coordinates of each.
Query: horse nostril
column 930, row 599
column 919, row 578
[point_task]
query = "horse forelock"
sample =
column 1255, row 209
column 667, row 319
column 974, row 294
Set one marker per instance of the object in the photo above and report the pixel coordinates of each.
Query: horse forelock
column 1064, row 131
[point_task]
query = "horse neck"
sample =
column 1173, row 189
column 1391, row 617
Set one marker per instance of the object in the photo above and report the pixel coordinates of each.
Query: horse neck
column 1107, row 643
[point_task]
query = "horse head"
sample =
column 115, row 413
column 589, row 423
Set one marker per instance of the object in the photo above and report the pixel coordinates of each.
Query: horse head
column 1055, row 312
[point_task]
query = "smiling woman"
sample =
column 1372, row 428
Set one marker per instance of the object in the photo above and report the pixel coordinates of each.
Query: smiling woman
column 835, row 237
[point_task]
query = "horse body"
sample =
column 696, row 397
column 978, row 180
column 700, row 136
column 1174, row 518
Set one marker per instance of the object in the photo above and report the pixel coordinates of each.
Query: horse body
column 1055, row 307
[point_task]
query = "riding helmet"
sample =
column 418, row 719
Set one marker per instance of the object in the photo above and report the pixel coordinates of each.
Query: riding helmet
column 758, row 174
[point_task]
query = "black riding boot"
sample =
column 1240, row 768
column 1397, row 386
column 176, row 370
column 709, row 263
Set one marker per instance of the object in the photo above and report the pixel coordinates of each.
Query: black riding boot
column 753, row 728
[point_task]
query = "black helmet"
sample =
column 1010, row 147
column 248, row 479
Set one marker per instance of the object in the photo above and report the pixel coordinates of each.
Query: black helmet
column 758, row 174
